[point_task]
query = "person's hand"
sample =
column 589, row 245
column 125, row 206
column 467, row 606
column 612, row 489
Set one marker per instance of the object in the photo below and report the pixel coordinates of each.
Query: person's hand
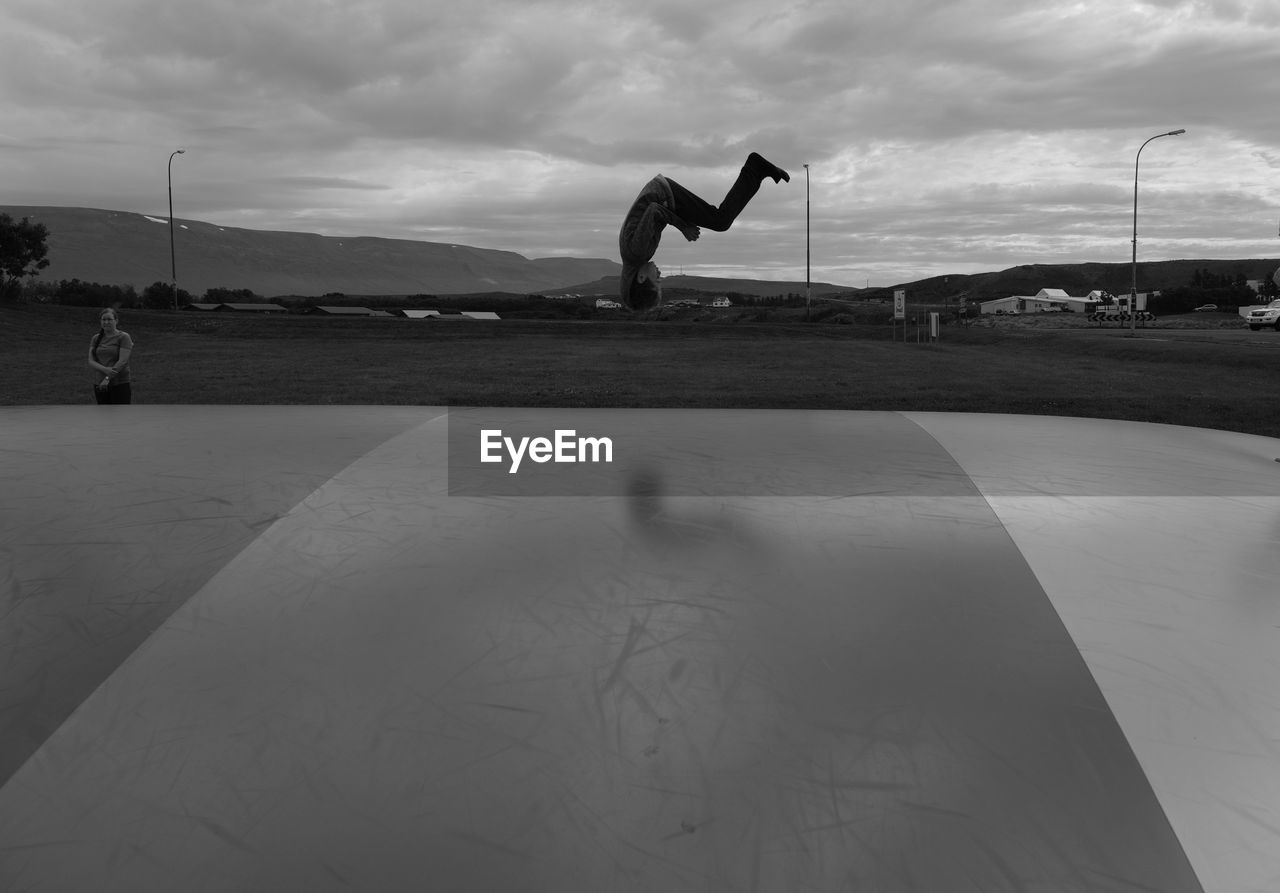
column 691, row 232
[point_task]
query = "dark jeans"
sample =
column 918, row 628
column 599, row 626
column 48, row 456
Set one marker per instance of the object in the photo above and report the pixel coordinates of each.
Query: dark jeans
column 117, row 393
column 700, row 212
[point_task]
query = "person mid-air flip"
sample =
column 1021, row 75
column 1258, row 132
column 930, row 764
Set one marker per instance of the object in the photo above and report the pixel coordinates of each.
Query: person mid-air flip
column 664, row 201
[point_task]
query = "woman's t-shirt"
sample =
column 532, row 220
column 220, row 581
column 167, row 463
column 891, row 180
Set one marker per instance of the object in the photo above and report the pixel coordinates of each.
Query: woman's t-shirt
column 108, row 353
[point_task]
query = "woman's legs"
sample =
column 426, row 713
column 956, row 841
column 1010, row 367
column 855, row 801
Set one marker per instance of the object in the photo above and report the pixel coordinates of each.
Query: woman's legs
column 115, row 394
column 699, row 212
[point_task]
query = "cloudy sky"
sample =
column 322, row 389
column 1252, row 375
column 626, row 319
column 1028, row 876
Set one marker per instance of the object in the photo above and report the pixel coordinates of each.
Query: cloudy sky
column 940, row 136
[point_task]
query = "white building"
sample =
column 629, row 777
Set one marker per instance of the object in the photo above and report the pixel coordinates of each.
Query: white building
column 1120, row 302
column 722, row 301
column 1001, row 305
column 1047, row 300
column 437, row 315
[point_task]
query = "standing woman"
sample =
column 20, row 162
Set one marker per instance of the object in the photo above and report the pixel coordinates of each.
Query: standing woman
column 109, row 359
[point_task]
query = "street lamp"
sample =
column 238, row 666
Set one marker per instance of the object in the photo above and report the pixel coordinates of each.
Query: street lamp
column 806, row 243
column 173, row 262
column 1133, row 291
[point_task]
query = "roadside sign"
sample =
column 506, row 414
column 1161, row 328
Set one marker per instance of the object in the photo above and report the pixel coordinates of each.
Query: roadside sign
column 899, row 304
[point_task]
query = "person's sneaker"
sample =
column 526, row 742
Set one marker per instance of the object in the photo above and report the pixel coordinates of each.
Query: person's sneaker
column 768, row 168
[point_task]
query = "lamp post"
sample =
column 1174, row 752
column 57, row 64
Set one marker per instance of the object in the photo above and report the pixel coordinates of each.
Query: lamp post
column 1133, row 291
column 173, row 262
column 806, row 243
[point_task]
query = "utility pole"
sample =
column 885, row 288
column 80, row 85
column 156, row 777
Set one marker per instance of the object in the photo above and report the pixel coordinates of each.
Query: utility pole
column 1133, row 291
column 807, row 287
column 173, row 262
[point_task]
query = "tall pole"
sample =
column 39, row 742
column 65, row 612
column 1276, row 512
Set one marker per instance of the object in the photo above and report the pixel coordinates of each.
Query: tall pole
column 807, row 286
column 173, row 260
column 1133, row 290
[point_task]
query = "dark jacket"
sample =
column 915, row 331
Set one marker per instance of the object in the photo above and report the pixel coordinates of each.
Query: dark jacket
column 642, row 229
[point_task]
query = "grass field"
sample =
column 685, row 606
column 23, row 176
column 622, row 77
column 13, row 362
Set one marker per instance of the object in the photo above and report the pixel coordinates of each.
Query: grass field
column 784, row 363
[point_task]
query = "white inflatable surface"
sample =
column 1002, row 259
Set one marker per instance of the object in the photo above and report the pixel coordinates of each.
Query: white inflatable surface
column 324, row 648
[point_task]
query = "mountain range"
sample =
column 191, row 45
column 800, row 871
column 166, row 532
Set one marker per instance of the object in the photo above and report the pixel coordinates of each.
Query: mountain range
column 1078, row 279
column 125, row 248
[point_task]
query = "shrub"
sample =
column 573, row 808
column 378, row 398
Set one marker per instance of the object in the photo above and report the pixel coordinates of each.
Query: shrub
column 74, row 293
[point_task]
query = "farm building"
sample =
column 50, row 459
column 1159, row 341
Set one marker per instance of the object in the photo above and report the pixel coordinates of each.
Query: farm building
column 257, row 307
column 347, row 311
column 1045, row 300
column 1001, row 305
column 252, row 308
column 447, row 314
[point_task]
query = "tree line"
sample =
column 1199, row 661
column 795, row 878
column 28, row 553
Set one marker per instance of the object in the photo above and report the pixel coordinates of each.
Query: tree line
column 1228, row 291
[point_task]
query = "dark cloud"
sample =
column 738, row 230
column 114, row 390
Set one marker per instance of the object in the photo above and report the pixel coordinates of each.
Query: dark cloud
column 937, row 132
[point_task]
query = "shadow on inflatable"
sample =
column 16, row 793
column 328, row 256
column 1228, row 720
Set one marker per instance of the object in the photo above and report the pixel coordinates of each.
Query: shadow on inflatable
column 304, row 648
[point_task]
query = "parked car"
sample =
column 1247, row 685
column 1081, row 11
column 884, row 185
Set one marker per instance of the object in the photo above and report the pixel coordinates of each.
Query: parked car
column 1206, row 308
column 1265, row 316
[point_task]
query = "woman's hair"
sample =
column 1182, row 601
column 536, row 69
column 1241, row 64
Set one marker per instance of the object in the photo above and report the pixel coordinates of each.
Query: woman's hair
column 97, row 339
